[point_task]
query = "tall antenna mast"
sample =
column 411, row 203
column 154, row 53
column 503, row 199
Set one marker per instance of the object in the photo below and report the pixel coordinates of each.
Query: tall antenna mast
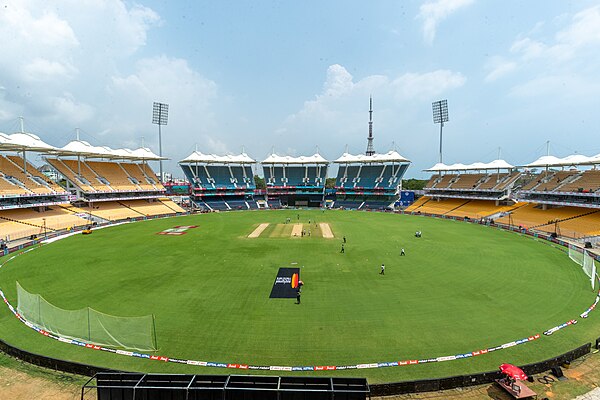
column 370, row 150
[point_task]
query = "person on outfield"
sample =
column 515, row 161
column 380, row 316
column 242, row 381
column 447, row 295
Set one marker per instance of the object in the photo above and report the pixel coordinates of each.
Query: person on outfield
column 382, row 269
column 344, row 239
column 402, row 253
column 298, row 293
column 342, row 250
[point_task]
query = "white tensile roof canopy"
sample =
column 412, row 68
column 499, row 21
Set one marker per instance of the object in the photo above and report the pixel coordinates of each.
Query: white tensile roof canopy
column 390, row 156
column 22, row 141
column 201, row 158
column 572, row 160
column 314, row 159
column 84, row 149
column 477, row 166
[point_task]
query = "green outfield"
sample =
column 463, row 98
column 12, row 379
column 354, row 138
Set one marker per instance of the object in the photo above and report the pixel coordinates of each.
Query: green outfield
column 461, row 287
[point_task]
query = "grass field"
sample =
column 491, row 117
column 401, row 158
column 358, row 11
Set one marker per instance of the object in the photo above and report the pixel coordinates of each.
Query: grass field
column 460, row 288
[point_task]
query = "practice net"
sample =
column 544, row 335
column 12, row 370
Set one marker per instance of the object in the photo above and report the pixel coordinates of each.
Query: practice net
column 583, row 258
column 87, row 324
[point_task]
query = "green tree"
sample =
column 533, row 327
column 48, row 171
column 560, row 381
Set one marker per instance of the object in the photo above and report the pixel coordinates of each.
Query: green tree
column 413, row 184
column 259, row 182
column 330, row 183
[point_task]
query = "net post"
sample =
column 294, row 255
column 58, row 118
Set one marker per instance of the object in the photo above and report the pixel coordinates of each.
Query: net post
column 154, row 330
column 89, row 326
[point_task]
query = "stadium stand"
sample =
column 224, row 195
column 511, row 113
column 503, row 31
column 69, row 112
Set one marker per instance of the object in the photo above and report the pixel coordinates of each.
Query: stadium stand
column 369, row 182
column 218, row 180
column 295, row 181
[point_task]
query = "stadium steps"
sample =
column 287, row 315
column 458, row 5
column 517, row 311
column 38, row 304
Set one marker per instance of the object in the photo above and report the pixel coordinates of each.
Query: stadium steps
column 95, row 218
column 132, row 209
column 26, row 223
column 566, row 219
column 457, row 207
column 169, row 207
column 418, row 203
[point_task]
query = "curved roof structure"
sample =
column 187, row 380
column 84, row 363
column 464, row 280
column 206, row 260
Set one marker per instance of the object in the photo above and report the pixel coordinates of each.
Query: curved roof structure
column 314, row 159
column 390, row 156
column 568, row 161
column 199, row 157
column 23, row 141
column 477, row 166
column 84, row 149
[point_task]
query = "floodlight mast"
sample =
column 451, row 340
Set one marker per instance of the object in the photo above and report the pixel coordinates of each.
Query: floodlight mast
column 160, row 116
column 440, row 115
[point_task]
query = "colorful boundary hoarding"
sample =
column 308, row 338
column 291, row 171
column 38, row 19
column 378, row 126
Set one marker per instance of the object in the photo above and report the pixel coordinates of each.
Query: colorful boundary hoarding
column 243, row 366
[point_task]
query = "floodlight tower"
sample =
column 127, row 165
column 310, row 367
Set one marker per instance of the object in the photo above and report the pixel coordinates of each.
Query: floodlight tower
column 370, row 150
column 440, row 115
column 160, row 117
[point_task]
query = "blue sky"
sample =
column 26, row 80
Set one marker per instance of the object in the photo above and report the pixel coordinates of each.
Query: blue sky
column 297, row 75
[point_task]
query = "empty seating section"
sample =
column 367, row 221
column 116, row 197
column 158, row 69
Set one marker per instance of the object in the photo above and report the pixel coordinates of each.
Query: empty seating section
column 147, row 207
column 172, row 205
column 31, row 170
column 134, row 171
column 202, row 176
column 584, row 225
column 221, row 176
column 295, row 175
column 274, row 203
column 491, row 181
column 532, row 215
column 442, row 206
column 80, row 168
column 477, row 209
column 351, row 175
column 510, row 179
column 588, row 181
column 216, row 204
column 467, row 181
column 432, row 181
column 71, row 175
column 347, row 204
column 374, row 205
column 276, row 176
column 444, row 182
column 27, row 221
column 113, row 173
column 110, row 210
column 237, row 204
column 552, row 181
column 13, row 180
column 151, row 176
column 417, row 204
column 369, row 176
column 238, row 176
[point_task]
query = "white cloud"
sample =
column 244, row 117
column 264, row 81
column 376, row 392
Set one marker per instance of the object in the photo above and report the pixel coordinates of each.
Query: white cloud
column 339, row 113
column 41, row 69
column 562, row 63
column 171, row 81
column 426, row 85
column 433, row 12
column 499, row 67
